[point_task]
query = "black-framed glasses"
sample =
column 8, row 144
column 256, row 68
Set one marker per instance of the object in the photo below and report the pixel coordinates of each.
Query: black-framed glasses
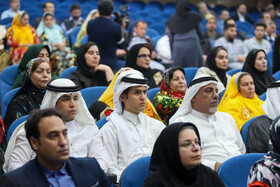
column 144, row 56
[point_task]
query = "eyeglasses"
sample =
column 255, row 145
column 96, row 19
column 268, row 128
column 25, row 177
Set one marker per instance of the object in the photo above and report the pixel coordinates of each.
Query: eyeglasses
column 191, row 144
column 144, row 56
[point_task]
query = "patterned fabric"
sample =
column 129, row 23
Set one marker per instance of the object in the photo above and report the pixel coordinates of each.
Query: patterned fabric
column 166, row 105
column 166, row 101
column 241, row 108
column 18, row 35
column 267, row 170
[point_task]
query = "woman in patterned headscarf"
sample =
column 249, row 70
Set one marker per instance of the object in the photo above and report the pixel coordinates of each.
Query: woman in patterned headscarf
column 265, row 172
column 32, row 90
column 171, row 94
column 20, row 36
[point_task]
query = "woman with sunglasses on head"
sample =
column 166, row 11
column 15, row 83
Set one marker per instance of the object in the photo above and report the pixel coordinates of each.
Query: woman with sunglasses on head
column 139, row 57
column 176, row 159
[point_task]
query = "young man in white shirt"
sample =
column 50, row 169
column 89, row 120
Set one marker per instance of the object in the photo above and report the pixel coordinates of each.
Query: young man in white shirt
column 129, row 134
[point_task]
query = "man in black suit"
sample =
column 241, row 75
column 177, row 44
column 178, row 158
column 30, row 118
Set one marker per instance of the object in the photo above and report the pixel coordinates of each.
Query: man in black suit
column 47, row 135
column 241, row 14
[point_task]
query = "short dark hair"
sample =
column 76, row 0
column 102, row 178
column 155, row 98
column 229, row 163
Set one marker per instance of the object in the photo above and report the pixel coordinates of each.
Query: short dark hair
column 140, row 21
column 260, row 24
column 105, row 7
column 240, row 5
column 75, row 7
column 45, row 4
column 175, row 69
column 228, row 26
column 32, row 123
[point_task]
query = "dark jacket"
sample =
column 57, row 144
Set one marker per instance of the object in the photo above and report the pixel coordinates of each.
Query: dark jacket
column 84, row 171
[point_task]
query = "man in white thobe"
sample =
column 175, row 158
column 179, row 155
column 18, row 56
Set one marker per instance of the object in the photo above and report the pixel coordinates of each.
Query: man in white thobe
column 84, row 136
column 218, row 131
column 129, row 134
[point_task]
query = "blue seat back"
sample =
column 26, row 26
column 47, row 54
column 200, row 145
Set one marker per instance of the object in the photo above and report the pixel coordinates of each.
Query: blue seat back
column 244, row 130
column 190, row 73
column 269, row 61
column 14, row 125
column 233, row 71
column 151, row 93
column 7, row 78
column 277, row 75
column 263, row 96
column 74, row 34
column 66, row 72
column 101, row 122
column 234, row 171
column 6, row 101
column 92, row 94
column 135, row 173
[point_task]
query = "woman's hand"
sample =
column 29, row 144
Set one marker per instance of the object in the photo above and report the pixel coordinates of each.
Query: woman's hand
column 108, row 71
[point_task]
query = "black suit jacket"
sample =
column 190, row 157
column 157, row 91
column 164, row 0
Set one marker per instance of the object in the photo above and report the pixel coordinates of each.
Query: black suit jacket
column 84, row 171
column 247, row 18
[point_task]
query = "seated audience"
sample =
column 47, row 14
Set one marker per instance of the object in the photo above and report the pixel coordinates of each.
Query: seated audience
column 265, row 172
column 84, row 135
column 48, row 6
column 221, row 20
column 240, row 99
column 216, row 65
column 234, row 46
column 205, row 13
column 211, row 34
column 32, row 91
column 20, row 36
column 240, row 35
column 12, row 11
column 89, row 72
column 5, row 57
column 241, row 14
column 139, row 57
column 171, row 94
column 50, row 33
column 47, row 134
column 256, row 65
column 129, row 134
column 74, row 20
column 270, row 32
column 218, row 130
column 83, row 31
column 163, row 50
column 107, row 97
column 34, row 51
column 258, row 131
column 176, row 159
column 265, row 17
column 257, row 41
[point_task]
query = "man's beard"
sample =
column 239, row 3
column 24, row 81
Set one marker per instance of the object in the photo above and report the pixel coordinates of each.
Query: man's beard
column 213, row 110
column 230, row 39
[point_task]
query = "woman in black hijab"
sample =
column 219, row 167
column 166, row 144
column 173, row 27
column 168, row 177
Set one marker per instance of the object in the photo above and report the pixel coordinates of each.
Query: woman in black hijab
column 176, row 157
column 217, row 63
column 256, row 65
column 89, row 72
column 139, row 57
column 184, row 41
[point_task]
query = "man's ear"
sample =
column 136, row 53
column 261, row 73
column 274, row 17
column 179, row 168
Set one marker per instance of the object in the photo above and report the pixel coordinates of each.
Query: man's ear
column 34, row 143
column 193, row 99
column 122, row 97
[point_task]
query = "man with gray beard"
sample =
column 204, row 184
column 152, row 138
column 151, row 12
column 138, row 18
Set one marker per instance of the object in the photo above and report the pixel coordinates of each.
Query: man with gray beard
column 218, row 131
